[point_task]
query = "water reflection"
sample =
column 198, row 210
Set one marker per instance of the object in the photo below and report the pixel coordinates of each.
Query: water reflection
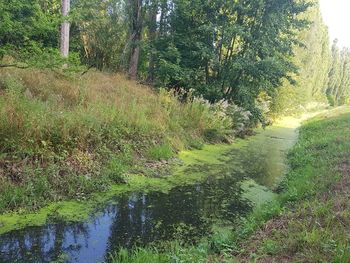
column 139, row 218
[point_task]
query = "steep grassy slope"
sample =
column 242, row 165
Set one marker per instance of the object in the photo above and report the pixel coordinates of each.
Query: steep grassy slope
column 68, row 136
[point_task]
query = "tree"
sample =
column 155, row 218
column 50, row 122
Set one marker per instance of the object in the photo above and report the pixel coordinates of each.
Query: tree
column 65, row 27
column 338, row 90
column 152, row 25
column 135, row 9
column 231, row 50
column 28, row 28
column 312, row 57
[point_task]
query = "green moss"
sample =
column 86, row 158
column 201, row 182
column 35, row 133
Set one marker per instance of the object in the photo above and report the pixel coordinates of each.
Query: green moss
column 209, row 154
column 69, row 211
column 81, row 210
column 257, row 194
column 184, row 174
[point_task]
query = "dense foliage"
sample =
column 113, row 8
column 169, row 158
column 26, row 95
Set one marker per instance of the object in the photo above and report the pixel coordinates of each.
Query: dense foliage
column 312, row 57
column 29, row 30
column 232, row 50
column 338, row 90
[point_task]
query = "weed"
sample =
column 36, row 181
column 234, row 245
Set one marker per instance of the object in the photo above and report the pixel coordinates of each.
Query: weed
column 66, row 136
column 270, row 247
column 160, row 152
column 196, row 144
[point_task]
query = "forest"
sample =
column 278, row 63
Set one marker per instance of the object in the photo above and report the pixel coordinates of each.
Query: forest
column 242, row 51
column 172, row 131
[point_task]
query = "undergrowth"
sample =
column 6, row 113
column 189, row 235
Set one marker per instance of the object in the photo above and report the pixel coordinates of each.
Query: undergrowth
column 67, row 136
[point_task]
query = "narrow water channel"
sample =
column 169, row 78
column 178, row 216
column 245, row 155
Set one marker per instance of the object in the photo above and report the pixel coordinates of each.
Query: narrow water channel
column 187, row 212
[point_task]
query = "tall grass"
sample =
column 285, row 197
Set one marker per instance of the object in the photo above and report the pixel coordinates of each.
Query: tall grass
column 68, row 136
column 172, row 252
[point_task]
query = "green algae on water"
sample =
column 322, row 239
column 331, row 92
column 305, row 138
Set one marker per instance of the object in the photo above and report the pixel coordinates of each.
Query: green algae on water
column 77, row 211
column 197, row 166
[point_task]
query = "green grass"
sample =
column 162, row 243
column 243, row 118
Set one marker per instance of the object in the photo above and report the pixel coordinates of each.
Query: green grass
column 81, row 208
column 175, row 253
column 139, row 256
column 312, row 222
column 308, row 221
column 65, row 138
column 160, row 152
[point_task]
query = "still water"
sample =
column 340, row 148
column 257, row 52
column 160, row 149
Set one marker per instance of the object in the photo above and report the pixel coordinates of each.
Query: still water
column 138, row 219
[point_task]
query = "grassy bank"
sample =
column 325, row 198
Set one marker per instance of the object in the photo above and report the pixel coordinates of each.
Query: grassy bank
column 65, row 137
column 308, row 221
column 81, row 210
column 312, row 222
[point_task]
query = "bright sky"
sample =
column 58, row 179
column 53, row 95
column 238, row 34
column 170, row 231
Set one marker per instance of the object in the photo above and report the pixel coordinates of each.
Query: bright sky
column 336, row 14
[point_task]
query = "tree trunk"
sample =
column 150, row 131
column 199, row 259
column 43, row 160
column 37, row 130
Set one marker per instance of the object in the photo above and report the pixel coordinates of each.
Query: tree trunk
column 65, row 29
column 152, row 38
column 136, row 30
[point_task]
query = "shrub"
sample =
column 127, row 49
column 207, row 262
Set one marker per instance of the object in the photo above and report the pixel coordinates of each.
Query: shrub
column 241, row 119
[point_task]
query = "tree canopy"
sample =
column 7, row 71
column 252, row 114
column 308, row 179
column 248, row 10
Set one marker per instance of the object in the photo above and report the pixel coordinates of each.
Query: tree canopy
column 240, row 51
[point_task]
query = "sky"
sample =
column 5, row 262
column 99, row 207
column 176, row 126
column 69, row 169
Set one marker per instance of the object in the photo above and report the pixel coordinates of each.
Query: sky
column 336, row 14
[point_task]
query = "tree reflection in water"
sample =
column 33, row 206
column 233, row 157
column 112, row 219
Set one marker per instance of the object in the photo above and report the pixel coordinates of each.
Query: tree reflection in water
column 142, row 218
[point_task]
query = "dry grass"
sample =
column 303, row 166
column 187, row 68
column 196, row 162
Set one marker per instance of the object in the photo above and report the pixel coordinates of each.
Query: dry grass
column 84, row 130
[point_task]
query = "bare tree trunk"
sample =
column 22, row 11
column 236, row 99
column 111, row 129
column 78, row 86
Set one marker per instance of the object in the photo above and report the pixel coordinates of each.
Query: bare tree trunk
column 136, row 30
column 134, row 60
column 152, row 38
column 65, row 29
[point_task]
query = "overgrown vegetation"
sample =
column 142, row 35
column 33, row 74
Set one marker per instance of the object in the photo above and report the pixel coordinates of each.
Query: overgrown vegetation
column 66, row 137
column 314, row 225
column 306, row 222
column 214, row 71
column 338, row 91
column 218, row 50
column 313, row 59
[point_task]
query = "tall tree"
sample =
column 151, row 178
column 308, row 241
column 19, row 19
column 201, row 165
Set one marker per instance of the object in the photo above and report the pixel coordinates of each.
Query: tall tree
column 338, row 91
column 136, row 23
column 312, row 57
column 229, row 49
column 65, row 27
column 152, row 25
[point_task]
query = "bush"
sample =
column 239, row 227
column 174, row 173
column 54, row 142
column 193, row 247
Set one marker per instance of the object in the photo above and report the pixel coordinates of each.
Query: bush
column 241, row 119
